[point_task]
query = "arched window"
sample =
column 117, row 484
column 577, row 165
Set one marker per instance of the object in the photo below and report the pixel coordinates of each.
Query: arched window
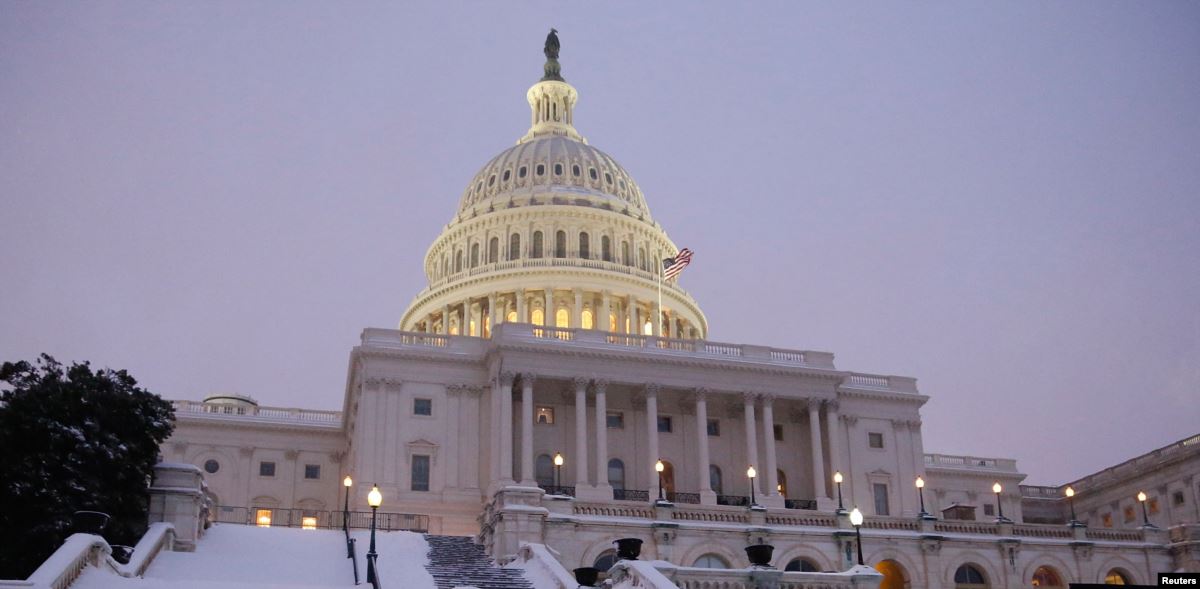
column 514, row 246
column 605, row 248
column 616, row 474
column 584, row 246
column 541, row 169
column 544, row 470
column 558, row 169
column 538, row 317
column 537, row 245
column 803, row 565
column 586, row 320
column 575, row 170
column 648, row 328
column 1117, row 577
column 494, row 250
column 968, row 576
column 710, row 561
column 714, row 479
column 474, row 255
column 605, row 560
column 511, row 317
column 612, row 322
column 782, row 485
column 458, row 259
column 1045, row 576
column 893, row 574
column 562, row 318
column 560, row 244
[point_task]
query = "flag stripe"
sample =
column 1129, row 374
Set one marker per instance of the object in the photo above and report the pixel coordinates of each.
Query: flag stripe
column 673, row 266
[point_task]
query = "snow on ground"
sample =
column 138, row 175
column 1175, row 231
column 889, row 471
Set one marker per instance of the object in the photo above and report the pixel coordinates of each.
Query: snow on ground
column 232, row 556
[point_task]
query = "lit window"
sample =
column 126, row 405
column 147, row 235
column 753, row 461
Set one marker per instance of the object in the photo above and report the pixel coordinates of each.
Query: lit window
column 1153, row 505
column 1046, row 577
column 422, row 406
column 544, row 415
column 778, row 432
column 266, row 469
column 1107, row 519
column 420, row 472
column 648, row 328
column 263, row 518
column 615, row 420
column 511, row 317
column 714, row 427
column 1115, row 577
column 587, row 322
column 312, row 471
column 875, row 440
column 612, row 322
column 664, row 424
column 308, row 522
column 1129, row 516
column 212, row 466
column 538, row 317
column 562, row 318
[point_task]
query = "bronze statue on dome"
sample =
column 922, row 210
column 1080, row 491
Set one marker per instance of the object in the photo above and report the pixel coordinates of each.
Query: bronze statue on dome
column 552, row 69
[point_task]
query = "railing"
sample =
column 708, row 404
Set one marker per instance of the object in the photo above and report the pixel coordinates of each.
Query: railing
column 889, row 523
column 1144, row 462
column 308, row 416
column 568, row 491
column 1036, row 531
column 972, row 462
column 686, row 498
column 1041, row 492
column 735, row 500
column 800, row 503
column 614, row 510
column 957, row 527
column 295, row 518
column 1114, row 535
column 819, row 520
column 630, row 495
column 711, row 515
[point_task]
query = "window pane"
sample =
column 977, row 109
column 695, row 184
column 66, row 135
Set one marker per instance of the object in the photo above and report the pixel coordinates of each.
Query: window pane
column 420, row 472
column 875, row 440
column 616, row 420
column 312, row 471
column 543, row 470
column 266, row 469
column 616, row 474
column 543, row 415
column 714, row 427
column 664, row 424
column 881, row 499
column 422, row 407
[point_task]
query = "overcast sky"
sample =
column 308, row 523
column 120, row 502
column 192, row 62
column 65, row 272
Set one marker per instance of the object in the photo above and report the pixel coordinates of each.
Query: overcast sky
column 999, row 199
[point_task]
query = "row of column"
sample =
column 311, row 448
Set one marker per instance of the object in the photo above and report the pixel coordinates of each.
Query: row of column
column 503, row 429
column 631, row 314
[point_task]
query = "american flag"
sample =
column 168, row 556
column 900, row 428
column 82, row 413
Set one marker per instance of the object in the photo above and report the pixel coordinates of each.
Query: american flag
column 673, row 266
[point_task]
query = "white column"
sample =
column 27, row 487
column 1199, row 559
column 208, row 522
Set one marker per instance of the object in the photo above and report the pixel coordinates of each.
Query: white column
column 464, row 325
column 833, row 420
column 768, row 428
column 492, row 312
column 445, row 319
column 656, row 318
column 652, row 437
column 606, row 310
column 527, row 430
column 548, row 306
column 818, row 458
column 577, row 312
column 522, row 317
column 601, row 435
column 631, row 315
column 506, row 422
column 581, row 447
column 672, row 328
column 751, row 442
column 704, row 483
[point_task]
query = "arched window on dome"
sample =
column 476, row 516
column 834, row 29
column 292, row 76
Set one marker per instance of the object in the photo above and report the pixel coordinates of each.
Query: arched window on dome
column 494, row 250
column 558, row 169
column 605, row 248
column 576, row 171
column 514, row 246
column 584, row 246
column 625, row 257
column 474, row 255
column 537, row 317
column 586, row 320
column 562, row 318
column 560, row 244
column 458, row 260
column 537, row 245
column 540, row 170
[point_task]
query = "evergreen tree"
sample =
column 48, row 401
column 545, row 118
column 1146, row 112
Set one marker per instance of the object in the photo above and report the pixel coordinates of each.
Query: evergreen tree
column 73, row 439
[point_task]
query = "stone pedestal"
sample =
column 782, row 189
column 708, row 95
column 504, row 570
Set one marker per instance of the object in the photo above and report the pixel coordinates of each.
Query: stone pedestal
column 517, row 516
column 177, row 497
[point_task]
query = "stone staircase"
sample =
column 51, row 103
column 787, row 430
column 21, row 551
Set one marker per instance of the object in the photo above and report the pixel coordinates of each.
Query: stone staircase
column 458, row 561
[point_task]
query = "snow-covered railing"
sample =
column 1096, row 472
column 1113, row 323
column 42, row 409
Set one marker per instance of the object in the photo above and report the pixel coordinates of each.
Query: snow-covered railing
column 68, row 562
column 160, row 536
column 542, row 568
column 627, row 574
column 971, row 462
column 251, row 412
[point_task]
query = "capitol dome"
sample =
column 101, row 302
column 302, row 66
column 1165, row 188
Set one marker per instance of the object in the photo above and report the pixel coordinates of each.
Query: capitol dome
column 553, row 231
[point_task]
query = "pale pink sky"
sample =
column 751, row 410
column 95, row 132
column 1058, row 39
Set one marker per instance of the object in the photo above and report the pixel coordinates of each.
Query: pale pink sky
column 999, row 199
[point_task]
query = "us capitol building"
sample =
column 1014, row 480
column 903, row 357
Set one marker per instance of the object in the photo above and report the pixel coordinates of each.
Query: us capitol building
column 546, row 331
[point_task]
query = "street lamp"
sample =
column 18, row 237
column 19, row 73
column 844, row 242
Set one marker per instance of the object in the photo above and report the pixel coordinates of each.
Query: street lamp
column 837, row 478
column 374, row 499
column 856, row 520
column 659, row 467
column 558, row 462
column 1071, row 501
column 1141, row 497
column 346, row 482
column 996, row 488
column 921, row 494
column 750, row 472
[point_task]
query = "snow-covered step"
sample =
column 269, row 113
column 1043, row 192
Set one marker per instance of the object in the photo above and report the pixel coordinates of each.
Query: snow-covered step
column 457, row 561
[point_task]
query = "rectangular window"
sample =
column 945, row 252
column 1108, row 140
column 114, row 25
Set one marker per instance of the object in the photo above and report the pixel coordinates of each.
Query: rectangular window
column 263, row 518
column 881, row 499
column 312, row 471
column 1177, row 498
column 422, row 406
column 1153, row 505
column 1107, row 519
column 714, row 427
column 544, row 415
column 1129, row 514
column 778, row 433
column 664, row 424
column 308, row 522
column 266, row 469
column 615, row 420
column 875, row 440
column 989, row 509
column 420, row 472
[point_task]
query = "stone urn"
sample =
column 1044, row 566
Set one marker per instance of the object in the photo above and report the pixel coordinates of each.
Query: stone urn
column 760, row 554
column 629, row 548
column 586, row 576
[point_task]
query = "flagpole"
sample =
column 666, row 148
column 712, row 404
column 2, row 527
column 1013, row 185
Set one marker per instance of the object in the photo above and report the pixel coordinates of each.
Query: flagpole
column 661, row 269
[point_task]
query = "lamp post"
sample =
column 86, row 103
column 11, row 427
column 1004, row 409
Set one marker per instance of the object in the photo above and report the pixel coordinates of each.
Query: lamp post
column 750, row 472
column 1071, row 502
column 374, row 499
column 837, row 479
column 558, row 462
column 659, row 467
column 1141, row 497
column 856, row 520
column 346, row 482
column 996, row 488
column 921, row 494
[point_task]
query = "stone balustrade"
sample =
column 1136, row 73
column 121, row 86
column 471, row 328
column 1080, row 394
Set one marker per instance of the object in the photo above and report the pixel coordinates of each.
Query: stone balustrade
column 200, row 410
column 971, row 462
